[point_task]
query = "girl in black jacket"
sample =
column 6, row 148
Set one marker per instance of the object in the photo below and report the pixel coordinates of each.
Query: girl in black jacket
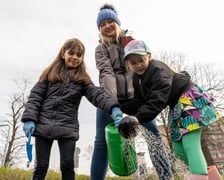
column 51, row 112
column 157, row 86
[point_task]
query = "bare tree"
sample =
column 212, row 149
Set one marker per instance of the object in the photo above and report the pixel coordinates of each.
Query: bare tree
column 211, row 80
column 15, row 146
column 4, row 134
column 176, row 60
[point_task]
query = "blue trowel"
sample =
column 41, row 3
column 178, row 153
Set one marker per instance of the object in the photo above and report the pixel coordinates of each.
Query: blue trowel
column 29, row 149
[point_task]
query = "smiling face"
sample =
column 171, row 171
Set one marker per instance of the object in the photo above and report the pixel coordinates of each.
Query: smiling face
column 138, row 63
column 73, row 57
column 108, row 28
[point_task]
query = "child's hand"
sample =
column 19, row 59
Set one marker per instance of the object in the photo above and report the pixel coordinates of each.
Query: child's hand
column 117, row 115
column 129, row 127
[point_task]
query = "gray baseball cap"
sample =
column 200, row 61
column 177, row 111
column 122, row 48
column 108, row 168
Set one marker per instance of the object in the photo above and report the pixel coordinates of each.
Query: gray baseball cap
column 136, row 47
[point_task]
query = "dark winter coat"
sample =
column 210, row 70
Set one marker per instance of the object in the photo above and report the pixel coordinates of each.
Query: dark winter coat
column 54, row 107
column 157, row 88
column 115, row 78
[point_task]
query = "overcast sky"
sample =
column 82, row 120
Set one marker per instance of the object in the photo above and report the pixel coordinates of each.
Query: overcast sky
column 33, row 31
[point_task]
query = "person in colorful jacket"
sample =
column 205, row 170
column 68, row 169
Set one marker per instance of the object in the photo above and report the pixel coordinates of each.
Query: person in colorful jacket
column 51, row 112
column 116, row 80
column 157, row 86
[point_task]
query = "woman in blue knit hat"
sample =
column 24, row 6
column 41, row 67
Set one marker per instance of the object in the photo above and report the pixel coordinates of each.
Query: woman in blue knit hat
column 116, row 80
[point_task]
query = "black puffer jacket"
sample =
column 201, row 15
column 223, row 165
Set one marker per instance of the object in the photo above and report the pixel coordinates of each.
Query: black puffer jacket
column 54, row 107
column 157, row 88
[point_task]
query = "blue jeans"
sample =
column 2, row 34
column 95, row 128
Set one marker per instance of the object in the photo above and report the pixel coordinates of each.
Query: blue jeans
column 99, row 162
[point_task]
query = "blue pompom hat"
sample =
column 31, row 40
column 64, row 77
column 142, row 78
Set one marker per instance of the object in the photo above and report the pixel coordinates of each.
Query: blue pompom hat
column 107, row 12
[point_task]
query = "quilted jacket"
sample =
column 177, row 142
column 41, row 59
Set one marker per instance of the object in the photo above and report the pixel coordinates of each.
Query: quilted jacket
column 54, row 107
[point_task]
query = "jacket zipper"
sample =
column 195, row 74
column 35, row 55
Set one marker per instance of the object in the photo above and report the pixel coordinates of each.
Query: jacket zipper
column 126, row 87
column 140, row 85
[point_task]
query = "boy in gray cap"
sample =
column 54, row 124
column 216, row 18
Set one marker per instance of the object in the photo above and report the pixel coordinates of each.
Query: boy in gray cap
column 191, row 108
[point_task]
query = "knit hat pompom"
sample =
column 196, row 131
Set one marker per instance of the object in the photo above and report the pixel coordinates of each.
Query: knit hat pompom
column 107, row 12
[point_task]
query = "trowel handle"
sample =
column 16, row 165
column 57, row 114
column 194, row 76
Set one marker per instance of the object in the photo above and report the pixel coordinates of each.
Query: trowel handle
column 29, row 137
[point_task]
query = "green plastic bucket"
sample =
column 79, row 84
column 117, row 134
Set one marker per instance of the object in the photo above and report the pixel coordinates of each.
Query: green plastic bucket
column 122, row 162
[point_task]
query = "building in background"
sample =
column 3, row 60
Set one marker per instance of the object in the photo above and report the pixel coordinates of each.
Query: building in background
column 212, row 145
column 213, row 137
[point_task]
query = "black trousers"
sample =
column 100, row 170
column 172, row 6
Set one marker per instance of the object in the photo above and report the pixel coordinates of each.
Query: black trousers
column 43, row 149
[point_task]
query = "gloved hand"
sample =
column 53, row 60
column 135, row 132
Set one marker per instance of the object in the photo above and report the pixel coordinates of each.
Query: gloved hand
column 117, row 115
column 29, row 126
column 129, row 127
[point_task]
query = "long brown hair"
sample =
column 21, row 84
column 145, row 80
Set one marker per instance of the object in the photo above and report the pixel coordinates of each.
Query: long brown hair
column 56, row 71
